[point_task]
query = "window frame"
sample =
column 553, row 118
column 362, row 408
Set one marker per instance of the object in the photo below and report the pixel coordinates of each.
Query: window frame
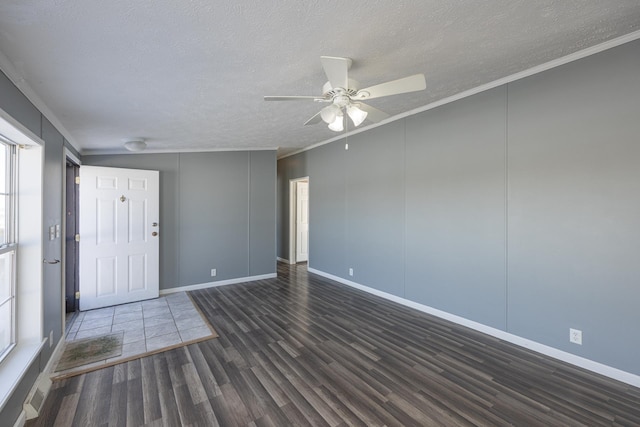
column 9, row 246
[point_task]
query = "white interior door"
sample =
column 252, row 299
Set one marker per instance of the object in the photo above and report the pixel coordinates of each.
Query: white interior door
column 302, row 221
column 119, row 236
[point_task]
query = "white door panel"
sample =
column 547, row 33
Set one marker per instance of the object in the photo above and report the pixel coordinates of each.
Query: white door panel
column 119, row 255
column 106, row 275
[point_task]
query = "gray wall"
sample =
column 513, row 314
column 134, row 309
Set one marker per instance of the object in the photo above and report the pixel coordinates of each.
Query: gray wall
column 262, row 212
column 20, row 108
column 52, row 188
column 374, row 239
column 516, row 207
column 574, row 210
column 455, row 202
column 217, row 210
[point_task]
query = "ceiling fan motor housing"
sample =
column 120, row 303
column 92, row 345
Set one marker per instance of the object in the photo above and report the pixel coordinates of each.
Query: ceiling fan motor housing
column 330, row 92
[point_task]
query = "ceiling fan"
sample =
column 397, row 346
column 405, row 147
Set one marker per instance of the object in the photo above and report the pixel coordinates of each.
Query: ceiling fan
column 344, row 95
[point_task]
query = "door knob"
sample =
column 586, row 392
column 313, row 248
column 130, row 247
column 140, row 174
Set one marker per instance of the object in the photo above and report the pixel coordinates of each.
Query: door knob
column 154, row 234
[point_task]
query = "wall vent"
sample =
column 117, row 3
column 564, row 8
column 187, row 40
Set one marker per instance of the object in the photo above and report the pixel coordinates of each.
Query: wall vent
column 36, row 398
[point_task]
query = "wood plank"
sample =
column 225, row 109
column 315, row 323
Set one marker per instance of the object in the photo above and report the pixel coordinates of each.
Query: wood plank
column 150, row 396
column 67, row 411
column 300, row 349
column 118, row 407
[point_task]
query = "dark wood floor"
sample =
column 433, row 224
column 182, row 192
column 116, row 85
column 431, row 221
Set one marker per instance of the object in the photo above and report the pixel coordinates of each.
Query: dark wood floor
column 302, row 350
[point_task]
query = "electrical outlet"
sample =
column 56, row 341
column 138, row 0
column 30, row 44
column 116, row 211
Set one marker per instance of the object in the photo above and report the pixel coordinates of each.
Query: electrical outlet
column 351, row 272
column 575, row 336
column 213, row 272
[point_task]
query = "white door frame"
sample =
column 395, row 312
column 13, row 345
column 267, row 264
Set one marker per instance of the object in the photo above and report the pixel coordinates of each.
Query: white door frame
column 292, row 217
column 66, row 155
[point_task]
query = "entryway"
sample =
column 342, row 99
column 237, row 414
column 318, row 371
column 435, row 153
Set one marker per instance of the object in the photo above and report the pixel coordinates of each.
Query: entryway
column 299, row 220
column 119, row 236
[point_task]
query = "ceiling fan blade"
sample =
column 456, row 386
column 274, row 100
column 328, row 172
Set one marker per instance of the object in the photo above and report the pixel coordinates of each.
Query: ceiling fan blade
column 373, row 114
column 315, row 119
column 293, row 98
column 337, row 70
column 394, row 87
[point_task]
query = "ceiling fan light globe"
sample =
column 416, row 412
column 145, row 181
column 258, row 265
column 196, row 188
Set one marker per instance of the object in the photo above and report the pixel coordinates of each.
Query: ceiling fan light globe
column 338, row 124
column 329, row 113
column 356, row 114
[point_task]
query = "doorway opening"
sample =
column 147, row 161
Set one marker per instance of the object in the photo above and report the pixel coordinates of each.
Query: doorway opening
column 71, row 269
column 299, row 220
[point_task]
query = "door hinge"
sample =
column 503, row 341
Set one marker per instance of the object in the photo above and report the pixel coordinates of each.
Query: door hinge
column 77, row 237
column 77, row 180
column 77, row 295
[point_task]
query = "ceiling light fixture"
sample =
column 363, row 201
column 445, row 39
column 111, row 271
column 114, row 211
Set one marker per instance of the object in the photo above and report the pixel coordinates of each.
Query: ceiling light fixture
column 338, row 124
column 333, row 115
column 135, row 145
column 342, row 92
column 356, row 114
column 328, row 114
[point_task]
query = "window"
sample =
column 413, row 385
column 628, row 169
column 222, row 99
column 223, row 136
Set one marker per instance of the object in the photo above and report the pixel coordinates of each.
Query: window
column 7, row 248
column 21, row 270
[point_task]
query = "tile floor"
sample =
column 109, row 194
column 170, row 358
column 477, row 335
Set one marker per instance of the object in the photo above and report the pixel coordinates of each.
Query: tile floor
column 148, row 325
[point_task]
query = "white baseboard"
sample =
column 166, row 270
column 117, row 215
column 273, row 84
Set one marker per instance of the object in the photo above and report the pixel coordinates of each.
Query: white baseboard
column 218, row 283
column 21, row 421
column 283, row 260
column 57, row 352
column 599, row 368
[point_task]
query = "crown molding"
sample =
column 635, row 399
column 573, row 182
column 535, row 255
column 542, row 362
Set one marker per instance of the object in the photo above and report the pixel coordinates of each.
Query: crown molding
column 10, row 71
column 111, row 152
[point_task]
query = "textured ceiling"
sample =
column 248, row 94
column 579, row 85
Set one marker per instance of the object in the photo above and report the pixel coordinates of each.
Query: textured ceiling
column 190, row 75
